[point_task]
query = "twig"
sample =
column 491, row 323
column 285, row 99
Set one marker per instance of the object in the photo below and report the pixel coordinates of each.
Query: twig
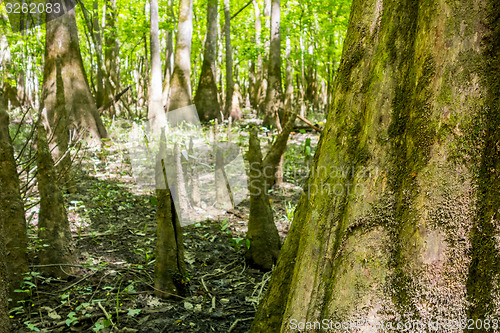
column 309, row 123
column 241, row 9
column 114, row 100
column 77, row 282
column 236, row 323
column 106, row 314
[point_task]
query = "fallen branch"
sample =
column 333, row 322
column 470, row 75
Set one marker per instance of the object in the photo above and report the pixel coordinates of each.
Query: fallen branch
column 114, row 100
column 241, row 9
column 309, row 123
column 236, row 323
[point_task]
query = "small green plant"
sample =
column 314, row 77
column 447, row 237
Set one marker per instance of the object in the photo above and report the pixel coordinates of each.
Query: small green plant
column 97, row 327
column 289, row 211
column 224, row 226
column 240, row 242
column 308, row 152
column 31, row 326
column 71, row 318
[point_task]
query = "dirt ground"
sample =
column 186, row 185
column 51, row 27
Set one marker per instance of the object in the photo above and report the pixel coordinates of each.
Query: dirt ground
column 114, row 231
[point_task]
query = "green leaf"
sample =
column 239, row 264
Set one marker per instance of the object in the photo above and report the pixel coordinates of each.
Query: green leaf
column 133, row 312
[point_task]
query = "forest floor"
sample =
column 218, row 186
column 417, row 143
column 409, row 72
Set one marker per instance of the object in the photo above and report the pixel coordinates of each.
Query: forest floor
column 113, row 223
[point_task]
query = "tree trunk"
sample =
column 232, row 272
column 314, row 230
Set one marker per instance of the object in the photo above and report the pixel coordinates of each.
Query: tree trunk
column 257, row 64
column 62, row 40
column 409, row 231
column 111, row 55
column 4, row 282
column 99, row 98
column 169, row 55
column 274, row 92
column 288, row 103
column 170, row 268
column 169, row 66
column 207, row 98
column 273, row 161
column 12, row 208
column 262, row 233
column 156, row 114
column 229, row 61
column 53, row 225
column 180, row 85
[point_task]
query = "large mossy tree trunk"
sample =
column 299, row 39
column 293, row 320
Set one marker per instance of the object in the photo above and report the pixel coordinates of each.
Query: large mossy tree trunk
column 61, row 42
column 12, row 216
column 410, row 232
column 180, row 85
column 207, row 96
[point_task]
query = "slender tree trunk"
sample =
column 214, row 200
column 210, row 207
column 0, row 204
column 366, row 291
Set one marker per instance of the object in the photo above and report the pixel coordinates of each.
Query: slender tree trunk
column 170, row 268
column 274, row 92
column 229, row 60
column 4, row 282
column 111, row 55
column 53, row 225
column 288, row 76
column 62, row 40
column 169, row 55
column 302, row 83
column 262, row 233
column 169, row 66
column 99, row 98
column 180, row 85
column 11, row 208
column 410, row 231
column 207, row 99
column 156, row 114
column 273, row 161
column 257, row 64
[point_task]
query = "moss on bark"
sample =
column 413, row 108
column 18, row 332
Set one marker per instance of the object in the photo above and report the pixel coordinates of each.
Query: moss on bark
column 415, row 119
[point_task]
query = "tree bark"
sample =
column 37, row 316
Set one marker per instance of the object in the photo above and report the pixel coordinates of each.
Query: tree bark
column 257, row 64
column 62, row 40
column 170, row 268
column 53, row 225
column 169, row 55
column 207, row 97
column 4, row 282
column 274, row 92
column 180, row 85
column 264, row 238
column 111, row 54
column 12, row 209
column 273, row 161
column 408, row 232
column 97, row 37
column 229, row 61
column 156, row 114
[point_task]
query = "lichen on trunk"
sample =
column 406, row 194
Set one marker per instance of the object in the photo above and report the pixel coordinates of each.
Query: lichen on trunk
column 408, row 233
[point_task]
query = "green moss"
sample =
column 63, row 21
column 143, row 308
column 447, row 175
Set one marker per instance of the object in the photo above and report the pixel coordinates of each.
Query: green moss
column 484, row 268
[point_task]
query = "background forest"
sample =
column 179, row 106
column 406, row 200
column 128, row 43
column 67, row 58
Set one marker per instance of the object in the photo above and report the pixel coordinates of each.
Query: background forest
column 333, row 180
column 90, row 248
